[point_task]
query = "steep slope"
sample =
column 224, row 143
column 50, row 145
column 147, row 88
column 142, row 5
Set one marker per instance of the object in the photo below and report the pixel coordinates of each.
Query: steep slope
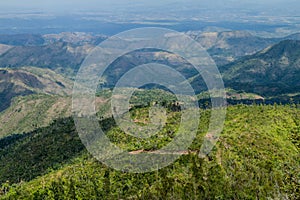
column 256, row 158
column 28, row 113
column 271, row 72
column 29, row 80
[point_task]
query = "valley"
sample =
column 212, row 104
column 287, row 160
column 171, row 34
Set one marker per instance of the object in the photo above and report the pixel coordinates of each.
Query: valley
column 252, row 154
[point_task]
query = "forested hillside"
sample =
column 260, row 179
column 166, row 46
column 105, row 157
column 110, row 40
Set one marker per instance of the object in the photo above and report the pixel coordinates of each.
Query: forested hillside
column 257, row 157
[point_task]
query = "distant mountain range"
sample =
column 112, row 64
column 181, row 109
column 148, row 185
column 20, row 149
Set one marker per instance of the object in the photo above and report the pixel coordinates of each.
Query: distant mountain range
column 62, row 52
column 271, row 72
column 77, row 38
column 66, row 51
column 264, row 66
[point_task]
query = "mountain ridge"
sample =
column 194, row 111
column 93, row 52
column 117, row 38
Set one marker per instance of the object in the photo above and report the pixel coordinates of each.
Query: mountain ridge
column 68, row 50
column 276, row 69
column 30, row 80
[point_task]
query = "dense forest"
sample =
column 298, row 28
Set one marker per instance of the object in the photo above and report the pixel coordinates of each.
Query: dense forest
column 257, row 157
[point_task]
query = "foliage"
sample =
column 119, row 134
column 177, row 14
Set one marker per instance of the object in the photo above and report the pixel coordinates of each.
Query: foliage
column 257, row 157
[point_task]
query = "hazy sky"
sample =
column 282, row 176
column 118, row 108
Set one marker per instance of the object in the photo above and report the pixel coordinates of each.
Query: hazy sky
column 110, row 5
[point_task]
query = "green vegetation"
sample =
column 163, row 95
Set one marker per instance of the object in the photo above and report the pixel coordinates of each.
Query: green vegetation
column 24, row 158
column 30, row 112
column 257, row 157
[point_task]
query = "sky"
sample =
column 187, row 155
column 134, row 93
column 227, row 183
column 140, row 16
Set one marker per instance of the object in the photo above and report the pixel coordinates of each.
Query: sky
column 110, row 5
column 274, row 12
